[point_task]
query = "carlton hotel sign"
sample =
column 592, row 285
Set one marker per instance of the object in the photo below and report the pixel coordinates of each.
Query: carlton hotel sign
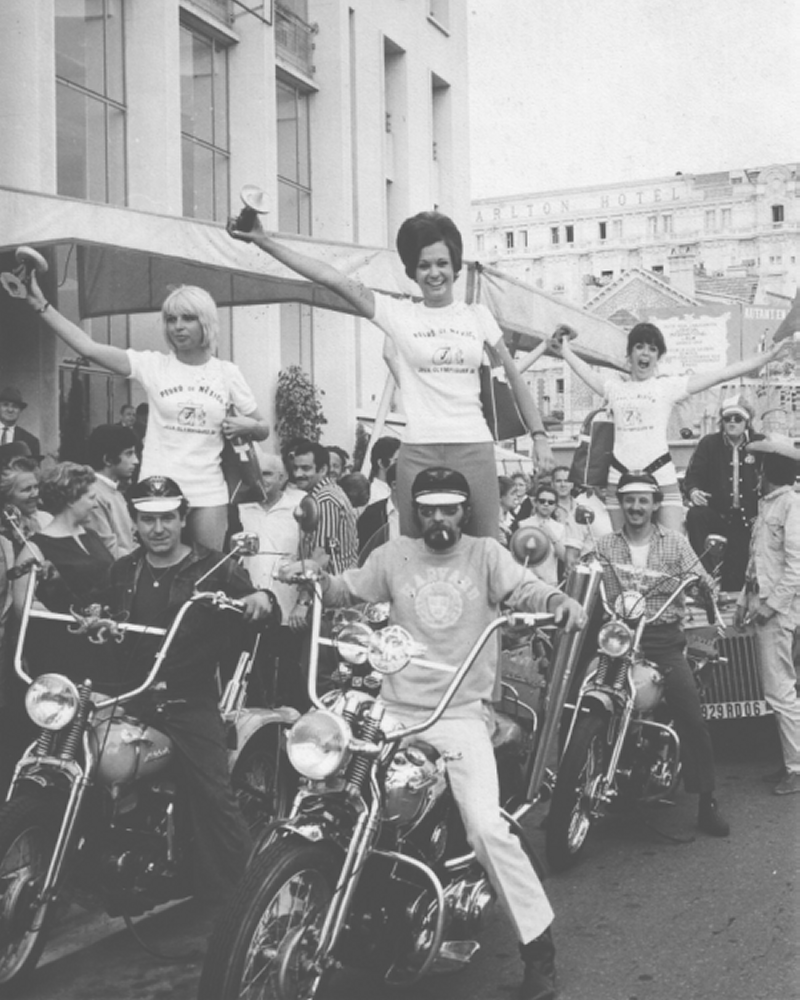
column 520, row 210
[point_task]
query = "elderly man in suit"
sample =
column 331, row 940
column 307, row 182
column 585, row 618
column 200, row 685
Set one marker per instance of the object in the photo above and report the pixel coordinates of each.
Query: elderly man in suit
column 11, row 406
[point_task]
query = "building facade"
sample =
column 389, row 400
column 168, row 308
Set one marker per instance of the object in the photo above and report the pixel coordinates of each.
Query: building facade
column 733, row 223
column 350, row 115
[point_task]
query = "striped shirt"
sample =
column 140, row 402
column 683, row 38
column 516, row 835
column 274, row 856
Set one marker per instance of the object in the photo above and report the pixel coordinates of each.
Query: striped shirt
column 336, row 531
column 670, row 558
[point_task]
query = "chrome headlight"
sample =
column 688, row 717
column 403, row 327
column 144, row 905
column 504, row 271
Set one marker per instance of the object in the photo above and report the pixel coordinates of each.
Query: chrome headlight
column 391, row 649
column 52, row 701
column 353, row 641
column 318, row 744
column 615, row 639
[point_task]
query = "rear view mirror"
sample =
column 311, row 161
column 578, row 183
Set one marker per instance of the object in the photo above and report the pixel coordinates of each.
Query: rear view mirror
column 583, row 515
column 306, row 513
column 245, row 543
column 529, row 546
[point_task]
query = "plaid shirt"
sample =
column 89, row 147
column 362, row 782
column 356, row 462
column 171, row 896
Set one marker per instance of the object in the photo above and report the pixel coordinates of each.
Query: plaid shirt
column 336, row 532
column 670, row 559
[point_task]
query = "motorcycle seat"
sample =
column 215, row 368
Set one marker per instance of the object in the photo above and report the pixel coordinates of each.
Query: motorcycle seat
column 506, row 730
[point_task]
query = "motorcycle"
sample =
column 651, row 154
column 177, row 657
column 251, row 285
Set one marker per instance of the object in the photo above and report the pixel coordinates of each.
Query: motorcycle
column 94, row 811
column 621, row 747
column 372, row 869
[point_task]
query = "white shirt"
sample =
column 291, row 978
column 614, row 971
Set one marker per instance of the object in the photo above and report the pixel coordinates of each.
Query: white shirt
column 438, row 353
column 279, row 538
column 184, row 428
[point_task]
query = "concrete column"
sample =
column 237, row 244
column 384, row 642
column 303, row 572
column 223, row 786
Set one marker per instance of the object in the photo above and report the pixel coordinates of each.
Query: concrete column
column 28, row 92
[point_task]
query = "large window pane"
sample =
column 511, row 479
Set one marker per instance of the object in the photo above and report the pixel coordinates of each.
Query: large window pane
column 287, row 133
column 197, row 68
column 89, row 45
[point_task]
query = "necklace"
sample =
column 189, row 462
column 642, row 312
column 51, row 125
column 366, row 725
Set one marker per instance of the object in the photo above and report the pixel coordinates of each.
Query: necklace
column 158, row 577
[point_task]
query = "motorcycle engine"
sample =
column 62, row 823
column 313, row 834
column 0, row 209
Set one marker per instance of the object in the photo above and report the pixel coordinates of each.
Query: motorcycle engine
column 415, row 780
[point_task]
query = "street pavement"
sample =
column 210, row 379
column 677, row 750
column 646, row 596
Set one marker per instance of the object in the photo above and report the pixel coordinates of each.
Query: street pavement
column 654, row 911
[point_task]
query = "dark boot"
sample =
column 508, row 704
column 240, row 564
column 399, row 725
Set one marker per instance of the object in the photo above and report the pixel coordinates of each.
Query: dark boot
column 709, row 819
column 539, row 982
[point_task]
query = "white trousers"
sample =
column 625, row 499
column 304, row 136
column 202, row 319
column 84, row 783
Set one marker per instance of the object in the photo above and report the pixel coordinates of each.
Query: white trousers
column 774, row 641
column 473, row 779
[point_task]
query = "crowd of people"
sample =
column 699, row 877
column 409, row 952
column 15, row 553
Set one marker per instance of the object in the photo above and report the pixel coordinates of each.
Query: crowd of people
column 151, row 507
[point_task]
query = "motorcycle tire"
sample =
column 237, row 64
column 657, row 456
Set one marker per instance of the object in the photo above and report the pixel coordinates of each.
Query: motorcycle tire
column 267, row 933
column 570, row 818
column 28, row 829
column 260, row 781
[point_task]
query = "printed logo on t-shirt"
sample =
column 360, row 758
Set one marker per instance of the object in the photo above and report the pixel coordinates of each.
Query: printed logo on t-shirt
column 448, row 356
column 192, row 415
column 439, row 597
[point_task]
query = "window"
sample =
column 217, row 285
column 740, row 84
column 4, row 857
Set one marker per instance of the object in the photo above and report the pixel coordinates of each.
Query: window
column 603, row 230
column 711, row 220
column 616, row 229
column 726, row 219
column 294, row 211
column 652, row 225
column 605, row 277
column 510, row 239
column 666, row 224
column 554, row 235
column 523, row 238
column 777, row 213
column 657, row 268
column 569, row 234
column 90, row 100
column 479, row 243
column 204, row 126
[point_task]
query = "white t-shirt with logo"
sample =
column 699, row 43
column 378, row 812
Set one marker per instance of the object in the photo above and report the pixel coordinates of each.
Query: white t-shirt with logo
column 184, row 425
column 641, row 416
column 438, row 354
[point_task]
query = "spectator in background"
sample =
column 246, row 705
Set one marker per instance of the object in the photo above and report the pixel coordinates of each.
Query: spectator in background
column 339, row 462
column 382, row 456
column 508, row 504
column 11, row 406
column 722, row 483
column 127, row 416
column 140, row 421
column 19, row 487
column 544, row 505
column 379, row 521
column 355, row 487
column 771, row 596
column 111, row 450
column 196, row 400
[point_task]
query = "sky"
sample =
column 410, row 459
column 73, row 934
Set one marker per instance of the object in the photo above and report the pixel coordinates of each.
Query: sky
column 570, row 93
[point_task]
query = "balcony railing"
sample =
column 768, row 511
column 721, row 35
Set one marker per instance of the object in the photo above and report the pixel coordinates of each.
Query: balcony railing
column 293, row 39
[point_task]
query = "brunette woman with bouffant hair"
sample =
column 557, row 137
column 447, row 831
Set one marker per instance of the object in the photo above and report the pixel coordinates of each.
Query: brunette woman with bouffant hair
column 436, row 348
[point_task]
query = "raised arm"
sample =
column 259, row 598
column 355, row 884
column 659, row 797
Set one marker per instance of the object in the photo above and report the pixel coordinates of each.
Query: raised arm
column 704, row 380
column 533, row 356
column 581, row 369
column 542, row 454
column 360, row 298
column 112, row 358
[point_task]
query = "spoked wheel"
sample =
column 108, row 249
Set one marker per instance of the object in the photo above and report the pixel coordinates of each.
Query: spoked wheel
column 28, row 829
column 575, row 798
column 261, row 789
column 264, row 946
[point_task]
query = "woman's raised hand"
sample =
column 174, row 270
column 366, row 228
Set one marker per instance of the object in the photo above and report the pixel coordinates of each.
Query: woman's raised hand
column 250, row 235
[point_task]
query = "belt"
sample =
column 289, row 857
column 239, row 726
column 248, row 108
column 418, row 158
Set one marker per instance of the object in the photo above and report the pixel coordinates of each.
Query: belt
column 654, row 466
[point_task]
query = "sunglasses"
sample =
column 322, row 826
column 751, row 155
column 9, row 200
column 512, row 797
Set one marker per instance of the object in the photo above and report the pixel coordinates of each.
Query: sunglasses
column 733, row 418
column 428, row 510
column 551, row 503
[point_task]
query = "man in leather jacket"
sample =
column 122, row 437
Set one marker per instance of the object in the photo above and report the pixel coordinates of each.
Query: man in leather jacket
column 445, row 588
column 150, row 585
column 721, row 483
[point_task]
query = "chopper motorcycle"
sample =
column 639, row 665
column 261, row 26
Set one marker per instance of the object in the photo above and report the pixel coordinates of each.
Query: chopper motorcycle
column 621, row 747
column 94, row 812
column 371, row 869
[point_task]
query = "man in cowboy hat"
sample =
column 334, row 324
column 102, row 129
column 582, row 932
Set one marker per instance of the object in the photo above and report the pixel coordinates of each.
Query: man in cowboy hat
column 722, row 485
column 11, row 405
column 770, row 598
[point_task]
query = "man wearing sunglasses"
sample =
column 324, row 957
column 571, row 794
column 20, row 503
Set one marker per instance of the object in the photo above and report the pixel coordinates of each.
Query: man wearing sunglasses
column 722, row 483
column 445, row 588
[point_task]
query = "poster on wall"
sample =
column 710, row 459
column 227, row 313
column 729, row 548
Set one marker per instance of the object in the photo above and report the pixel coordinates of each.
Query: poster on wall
column 694, row 343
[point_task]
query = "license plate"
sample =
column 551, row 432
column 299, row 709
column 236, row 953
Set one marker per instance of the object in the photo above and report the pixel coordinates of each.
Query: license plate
column 735, row 710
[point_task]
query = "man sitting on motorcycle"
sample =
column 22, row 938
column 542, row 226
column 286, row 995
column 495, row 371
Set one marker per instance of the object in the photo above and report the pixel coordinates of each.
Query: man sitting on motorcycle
column 640, row 553
column 444, row 588
column 151, row 584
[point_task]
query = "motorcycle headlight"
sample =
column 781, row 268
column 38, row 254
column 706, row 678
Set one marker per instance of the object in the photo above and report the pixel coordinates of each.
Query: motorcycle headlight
column 52, row 701
column 318, row 744
column 615, row 639
column 353, row 641
column 391, row 649
column 630, row 605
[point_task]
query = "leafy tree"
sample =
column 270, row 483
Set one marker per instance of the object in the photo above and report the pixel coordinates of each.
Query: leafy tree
column 298, row 408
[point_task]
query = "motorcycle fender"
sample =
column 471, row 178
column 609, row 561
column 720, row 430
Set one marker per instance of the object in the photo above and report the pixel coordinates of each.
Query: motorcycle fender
column 595, row 698
column 245, row 724
column 313, row 830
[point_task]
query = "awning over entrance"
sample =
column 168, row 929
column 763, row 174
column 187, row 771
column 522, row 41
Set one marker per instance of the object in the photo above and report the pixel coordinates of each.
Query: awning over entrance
column 127, row 261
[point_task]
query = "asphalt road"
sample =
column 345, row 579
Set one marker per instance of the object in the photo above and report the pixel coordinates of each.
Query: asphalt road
column 655, row 911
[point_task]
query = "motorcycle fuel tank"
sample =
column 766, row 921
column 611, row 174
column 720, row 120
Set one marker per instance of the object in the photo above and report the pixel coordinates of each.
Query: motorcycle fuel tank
column 128, row 749
column 410, row 785
column 648, row 683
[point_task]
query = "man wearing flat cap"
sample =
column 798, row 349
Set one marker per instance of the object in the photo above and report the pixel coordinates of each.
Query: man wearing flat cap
column 770, row 599
column 722, row 486
column 11, row 406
